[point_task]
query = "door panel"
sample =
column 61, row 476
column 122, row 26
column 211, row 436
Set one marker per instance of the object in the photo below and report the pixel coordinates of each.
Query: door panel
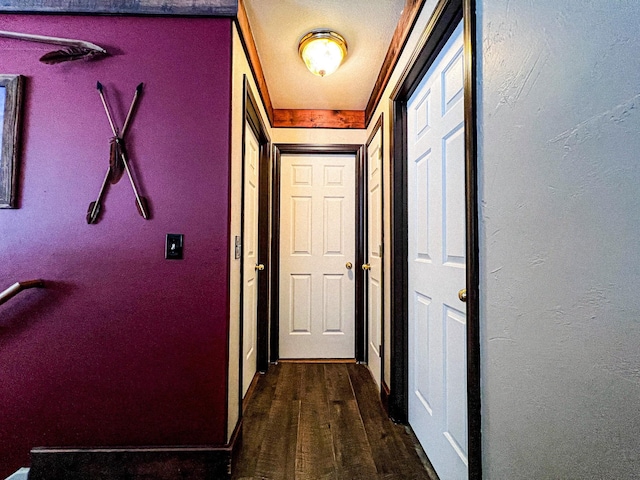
column 374, row 256
column 250, row 258
column 437, row 262
column 453, row 183
column 317, row 239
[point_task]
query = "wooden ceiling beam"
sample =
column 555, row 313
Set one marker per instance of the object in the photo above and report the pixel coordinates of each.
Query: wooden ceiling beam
column 318, row 118
column 246, row 36
column 403, row 29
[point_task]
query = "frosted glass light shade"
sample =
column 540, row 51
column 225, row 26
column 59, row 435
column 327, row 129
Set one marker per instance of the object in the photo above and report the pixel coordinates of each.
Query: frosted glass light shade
column 322, row 51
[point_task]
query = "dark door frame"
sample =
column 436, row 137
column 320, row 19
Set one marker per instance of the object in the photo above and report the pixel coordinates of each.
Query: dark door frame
column 287, row 148
column 444, row 20
column 253, row 118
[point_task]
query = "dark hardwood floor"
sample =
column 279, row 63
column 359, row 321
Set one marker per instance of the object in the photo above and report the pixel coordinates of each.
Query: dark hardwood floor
column 316, row 421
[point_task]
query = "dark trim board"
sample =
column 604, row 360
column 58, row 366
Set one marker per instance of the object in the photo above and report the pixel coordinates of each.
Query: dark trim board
column 221, row 8
column 360, row 286
column 398, row 403
column 441, row 25
column 407, row 20
column 275, row 257
column 473, row 254
column 384, row 396
column 251, row 51
column 294, row 148
column 160, row 463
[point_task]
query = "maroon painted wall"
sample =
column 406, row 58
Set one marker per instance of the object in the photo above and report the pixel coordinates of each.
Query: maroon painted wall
column 123, row 347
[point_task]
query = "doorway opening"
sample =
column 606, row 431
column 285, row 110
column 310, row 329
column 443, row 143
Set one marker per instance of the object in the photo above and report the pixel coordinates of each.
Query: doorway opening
column 254, row 245
column 446, row 18
column 357, row 152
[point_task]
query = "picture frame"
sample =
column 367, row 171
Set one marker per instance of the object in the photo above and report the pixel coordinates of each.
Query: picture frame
column 11, row 93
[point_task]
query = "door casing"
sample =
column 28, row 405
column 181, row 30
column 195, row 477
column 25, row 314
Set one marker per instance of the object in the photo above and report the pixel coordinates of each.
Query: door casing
column 441, row 25
column 283, row 149
column 252, row 117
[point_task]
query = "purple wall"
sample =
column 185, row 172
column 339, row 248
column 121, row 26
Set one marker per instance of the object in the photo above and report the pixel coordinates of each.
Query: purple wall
column 124, row 348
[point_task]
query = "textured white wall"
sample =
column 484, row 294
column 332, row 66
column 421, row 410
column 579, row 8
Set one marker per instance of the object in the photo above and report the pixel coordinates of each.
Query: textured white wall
column 559, row 143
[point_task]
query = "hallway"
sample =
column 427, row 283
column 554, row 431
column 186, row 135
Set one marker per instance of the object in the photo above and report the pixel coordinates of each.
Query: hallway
column 322, row 421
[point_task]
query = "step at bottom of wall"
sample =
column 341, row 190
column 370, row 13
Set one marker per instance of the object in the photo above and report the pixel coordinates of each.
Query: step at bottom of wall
column 21, row 474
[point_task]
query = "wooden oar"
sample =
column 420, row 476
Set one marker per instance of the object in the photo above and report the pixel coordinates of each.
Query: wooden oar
column 76, row 49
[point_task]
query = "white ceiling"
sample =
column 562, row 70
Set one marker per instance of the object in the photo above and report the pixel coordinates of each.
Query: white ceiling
column 278, row 25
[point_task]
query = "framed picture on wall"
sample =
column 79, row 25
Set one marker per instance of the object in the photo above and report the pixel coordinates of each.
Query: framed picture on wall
column 11, row 87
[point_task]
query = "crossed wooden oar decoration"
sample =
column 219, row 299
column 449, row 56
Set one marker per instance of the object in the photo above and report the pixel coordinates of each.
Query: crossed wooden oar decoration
column 118, row 162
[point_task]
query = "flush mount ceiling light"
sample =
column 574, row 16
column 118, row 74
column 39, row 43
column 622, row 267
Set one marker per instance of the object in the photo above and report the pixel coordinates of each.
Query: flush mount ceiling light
column 322, row 51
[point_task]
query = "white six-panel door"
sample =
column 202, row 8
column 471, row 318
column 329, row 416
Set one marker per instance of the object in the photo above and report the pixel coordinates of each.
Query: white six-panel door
column 317, row 239
column 437, row 263
column 250, row 258
column 373, row 258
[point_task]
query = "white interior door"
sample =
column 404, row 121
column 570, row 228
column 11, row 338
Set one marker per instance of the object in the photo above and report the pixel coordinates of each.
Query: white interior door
column 437, row 263
column 317, row 239
column 250, row 258
column 374, row 256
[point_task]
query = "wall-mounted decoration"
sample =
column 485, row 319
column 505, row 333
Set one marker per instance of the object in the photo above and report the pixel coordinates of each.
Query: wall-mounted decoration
column 118, row 162
column 11, row 87
column 74, row 49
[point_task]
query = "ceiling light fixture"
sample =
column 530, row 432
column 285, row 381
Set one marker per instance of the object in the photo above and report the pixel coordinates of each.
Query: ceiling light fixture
column 322, row 51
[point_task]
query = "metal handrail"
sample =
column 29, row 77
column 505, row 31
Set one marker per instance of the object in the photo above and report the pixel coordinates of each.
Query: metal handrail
column 17, row 287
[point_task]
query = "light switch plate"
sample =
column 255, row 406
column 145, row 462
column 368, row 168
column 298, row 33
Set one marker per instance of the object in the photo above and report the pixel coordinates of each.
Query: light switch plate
column 173, row 246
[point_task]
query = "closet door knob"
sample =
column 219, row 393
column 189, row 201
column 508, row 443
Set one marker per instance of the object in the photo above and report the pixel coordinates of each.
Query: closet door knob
column 462, row 295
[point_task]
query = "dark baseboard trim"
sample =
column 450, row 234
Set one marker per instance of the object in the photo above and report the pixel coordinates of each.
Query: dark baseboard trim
column 384, row 396
column 235, row 445
column 158, row 463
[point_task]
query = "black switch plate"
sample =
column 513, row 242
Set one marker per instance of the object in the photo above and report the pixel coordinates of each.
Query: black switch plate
column 173, row 247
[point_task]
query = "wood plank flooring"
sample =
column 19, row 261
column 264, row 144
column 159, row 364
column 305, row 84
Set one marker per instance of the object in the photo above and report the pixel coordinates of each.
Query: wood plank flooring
column 317, row 421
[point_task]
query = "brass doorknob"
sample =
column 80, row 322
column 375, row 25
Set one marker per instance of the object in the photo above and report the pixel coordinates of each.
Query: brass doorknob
column 366, row 266
column 349, row 265
column 260, row 267
column 462, row 295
